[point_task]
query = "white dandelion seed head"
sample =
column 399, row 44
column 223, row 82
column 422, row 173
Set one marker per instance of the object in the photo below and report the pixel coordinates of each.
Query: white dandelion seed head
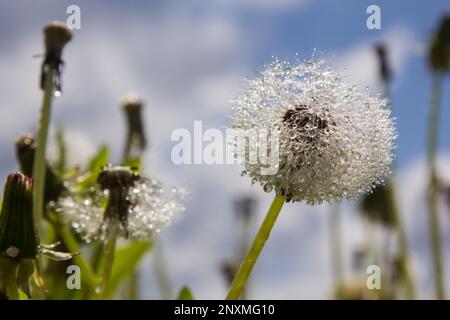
column 334, row 141
column 152, row 207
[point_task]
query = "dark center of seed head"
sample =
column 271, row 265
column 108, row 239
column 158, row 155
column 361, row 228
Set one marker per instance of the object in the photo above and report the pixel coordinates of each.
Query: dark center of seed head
column 117, row 177
column 300, row 117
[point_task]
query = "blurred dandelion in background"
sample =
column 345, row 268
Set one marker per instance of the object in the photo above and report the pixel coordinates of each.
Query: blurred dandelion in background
column 142, row 206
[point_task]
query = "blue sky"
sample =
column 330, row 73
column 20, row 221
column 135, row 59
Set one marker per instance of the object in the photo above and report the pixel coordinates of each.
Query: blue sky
column 188, row 60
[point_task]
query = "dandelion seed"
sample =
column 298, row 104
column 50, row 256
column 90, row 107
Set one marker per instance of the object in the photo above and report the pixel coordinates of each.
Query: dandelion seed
column 335, row 142
column 142, row 206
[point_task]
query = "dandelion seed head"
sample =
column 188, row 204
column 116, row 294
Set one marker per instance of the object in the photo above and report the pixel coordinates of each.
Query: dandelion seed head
column 335, row 142
column 151, row 208
column 56, row 35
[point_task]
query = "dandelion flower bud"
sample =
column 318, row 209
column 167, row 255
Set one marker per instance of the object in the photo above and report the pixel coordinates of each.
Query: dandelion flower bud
column 142, row 206
column 439, row 52
column 25, row 151
column 374, row 206
column 383, row 63
column 56, row 36
column 334, row 142
column 244, row 207
column 132, row 106
column 18, row 234
column 19, row 239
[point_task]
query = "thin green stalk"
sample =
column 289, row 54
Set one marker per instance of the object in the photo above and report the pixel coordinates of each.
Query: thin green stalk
column 258, row 243
column 133, row 287
column 435, row 235
column 395, row 216
column 12, row 289
column 88, row 277
column 336, row 244
column 108, row 262
column 161, row 271
column 402, row 240
column 39, row 159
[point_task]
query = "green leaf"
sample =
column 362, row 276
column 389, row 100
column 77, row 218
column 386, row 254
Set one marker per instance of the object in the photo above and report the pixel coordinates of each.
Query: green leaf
column 126, row 261
column 185, row 294
column 100, row 160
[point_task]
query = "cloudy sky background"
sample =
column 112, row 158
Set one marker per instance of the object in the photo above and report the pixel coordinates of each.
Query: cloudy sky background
column 188, row 60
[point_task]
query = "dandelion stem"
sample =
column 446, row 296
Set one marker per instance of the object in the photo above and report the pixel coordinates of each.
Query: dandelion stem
column 13, row 291
column 402, row 240
column 88, row 276
column 161, row 271
column 110, row 252
column 39, row 159
column 246, row 268
column 435, row 235
column 393, row 211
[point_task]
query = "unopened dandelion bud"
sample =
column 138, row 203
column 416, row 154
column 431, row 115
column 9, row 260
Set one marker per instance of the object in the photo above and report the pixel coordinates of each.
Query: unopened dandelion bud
column 439, row 51
column 19, row 239
column 136, row 139
column 18, row 234
column 229, row 270
column 374, row 206
column 244, row 207
column 25, row 149
column 383, row 63
column 56, row 35
column 25, row 152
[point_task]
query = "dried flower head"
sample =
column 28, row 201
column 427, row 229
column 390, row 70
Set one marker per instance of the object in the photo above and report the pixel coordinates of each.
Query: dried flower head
column 383, row 62
column 136, row 141
column 142, row 206
column 334, row 141
column 56, row 36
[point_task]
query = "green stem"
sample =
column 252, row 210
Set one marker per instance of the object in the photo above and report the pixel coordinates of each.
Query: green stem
column 161, row 271
column 13, row 290
column 39, row 159
column 261, row 237
column 110, row 252
column 133, row 287
column 435, row 235
column 88, row 277
column 395, row 216
column 402, row 240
